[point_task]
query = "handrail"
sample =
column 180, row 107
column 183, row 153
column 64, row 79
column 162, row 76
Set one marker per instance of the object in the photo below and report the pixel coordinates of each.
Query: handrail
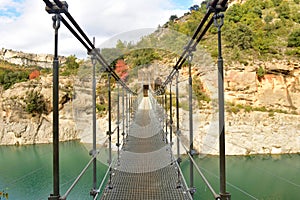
column 216, row 196
column 184, row 181
column 104, row 178
column 64, row 197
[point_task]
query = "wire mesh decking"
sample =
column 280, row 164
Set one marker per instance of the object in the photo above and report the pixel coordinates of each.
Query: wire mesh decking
column 146, row 169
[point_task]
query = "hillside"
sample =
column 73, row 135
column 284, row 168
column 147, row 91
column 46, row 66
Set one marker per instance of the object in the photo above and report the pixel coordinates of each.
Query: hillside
column 262, row 82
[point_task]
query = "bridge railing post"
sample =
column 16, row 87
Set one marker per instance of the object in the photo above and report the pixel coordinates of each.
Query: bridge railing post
column 118, row 123
column 109, row 130
column 56, row 25
column 123, row 114
column 171, row 117
column 191, row 147
column 127, row 115
column 178, row 132
column 219, row 21
column 166, row 118
column 93, row 152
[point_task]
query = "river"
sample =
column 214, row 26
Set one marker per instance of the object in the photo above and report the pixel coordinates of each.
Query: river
column 26, row 173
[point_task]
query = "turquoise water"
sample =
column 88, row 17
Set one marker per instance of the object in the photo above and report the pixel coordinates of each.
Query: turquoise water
column 266, row 177
column 26, row 173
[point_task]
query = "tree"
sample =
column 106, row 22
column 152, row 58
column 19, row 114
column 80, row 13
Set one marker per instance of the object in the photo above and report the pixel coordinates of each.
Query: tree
column 71, row 66
column 240, row 36
column 35, row 102
column 34, row 74
column 71, row 62
column 294, row 39
column 194, row 8
column 173, row 17
column 121, row 69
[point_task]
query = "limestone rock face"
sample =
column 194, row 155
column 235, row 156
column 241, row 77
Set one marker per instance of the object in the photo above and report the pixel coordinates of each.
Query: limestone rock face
column 247, row 133
column 279, row 88
column 28, row 59
column 19, row 127
column 253, row 132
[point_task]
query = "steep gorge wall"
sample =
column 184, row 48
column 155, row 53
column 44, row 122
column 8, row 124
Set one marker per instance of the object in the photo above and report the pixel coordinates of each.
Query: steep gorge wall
column 28, row 59
column 19, row 127
column 252, row 132
column 271, row 123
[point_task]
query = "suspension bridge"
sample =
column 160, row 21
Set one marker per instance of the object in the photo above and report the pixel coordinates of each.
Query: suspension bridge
column 146, row 167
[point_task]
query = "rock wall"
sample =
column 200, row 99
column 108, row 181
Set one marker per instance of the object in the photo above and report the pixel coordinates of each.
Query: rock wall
column 251, row 132
column 28, row 59
column 246, row 133
column 279, row 88
column 272, row 131
column 18, row 127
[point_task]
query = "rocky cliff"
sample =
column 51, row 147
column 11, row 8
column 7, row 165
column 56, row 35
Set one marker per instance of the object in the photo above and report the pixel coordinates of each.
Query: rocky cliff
column 262, row 112
column 19, row 127
column 28, row 59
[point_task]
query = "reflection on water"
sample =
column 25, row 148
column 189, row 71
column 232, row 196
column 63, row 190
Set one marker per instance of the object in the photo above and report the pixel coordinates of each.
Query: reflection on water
column 26, row 173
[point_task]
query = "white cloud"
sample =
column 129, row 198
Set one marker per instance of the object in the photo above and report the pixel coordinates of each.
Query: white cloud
column 33, row 32
column 197, row 2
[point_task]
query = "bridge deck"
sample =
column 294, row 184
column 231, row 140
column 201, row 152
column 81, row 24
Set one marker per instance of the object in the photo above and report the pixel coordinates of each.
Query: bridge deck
column 146, row 169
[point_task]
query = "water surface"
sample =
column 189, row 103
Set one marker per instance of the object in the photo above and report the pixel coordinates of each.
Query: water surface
column 26, row 173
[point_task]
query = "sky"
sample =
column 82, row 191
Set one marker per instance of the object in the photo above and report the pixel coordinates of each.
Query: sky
column 26, row 26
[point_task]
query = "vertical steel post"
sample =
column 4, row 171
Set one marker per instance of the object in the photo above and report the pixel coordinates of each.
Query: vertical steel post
column 118, row 123
column 224, row 195
column 55, row 196
column 123, row 114
column 126, row 112
column 178, row 131
column 129, row 108
column 171, row 117
column 191, row 149
column 166, row 134
column 163, row 116
column 93, row 192
column 109, row 128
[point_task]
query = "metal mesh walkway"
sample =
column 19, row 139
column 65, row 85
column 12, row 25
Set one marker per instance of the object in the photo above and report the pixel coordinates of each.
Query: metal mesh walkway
column 146, row 169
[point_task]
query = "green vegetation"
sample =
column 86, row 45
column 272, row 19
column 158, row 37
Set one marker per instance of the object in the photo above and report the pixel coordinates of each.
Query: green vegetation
column 260, row 72
column 256, row 28
column 101, row 109
column 294, row 39
column 9, row 78
column 35, row 103
column 235, row 108
column 11, row 74
column 70, row 67
column 199, row 93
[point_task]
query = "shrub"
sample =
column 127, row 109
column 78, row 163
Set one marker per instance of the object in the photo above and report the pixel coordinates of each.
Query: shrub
column 34, row 74
column 199, row 93
column 70, row 67
column 294, row 39
column 9, row 78
column 268, row 18
column 240, row 36
column 35, row 102
column 283, row 10
column 260, row 72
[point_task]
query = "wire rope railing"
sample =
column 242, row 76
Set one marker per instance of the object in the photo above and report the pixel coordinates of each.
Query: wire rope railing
column 216, row 196
column 103, row 181
column 214, row 8
column 64, row 197
column 57, row 8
